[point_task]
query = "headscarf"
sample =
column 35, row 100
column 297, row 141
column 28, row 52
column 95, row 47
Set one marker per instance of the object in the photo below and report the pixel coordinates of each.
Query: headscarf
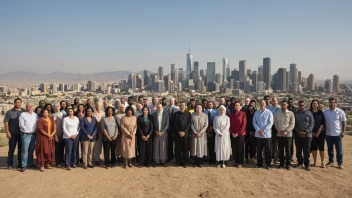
column 222, row 106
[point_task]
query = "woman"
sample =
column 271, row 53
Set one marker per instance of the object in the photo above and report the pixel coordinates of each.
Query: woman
column 250, row 146
column 199, row 125
column 238, row 123
column 98, row 114
column 59, row 141
column 120, row 113
column 63, row 107
column 46, row 130
column 38, row 111
column 50, row 108
column 145, row 131
column 318, row 140
column 88, row 136
column 222, row 138
column 128, row 128
column 80, row 109
column 70, row 127
column 110, row 132
column 79, row 114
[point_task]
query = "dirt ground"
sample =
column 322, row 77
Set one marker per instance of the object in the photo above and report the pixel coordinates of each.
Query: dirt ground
column 179, row 182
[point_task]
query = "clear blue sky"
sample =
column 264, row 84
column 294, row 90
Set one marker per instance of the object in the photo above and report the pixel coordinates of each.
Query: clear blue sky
column 87, row 36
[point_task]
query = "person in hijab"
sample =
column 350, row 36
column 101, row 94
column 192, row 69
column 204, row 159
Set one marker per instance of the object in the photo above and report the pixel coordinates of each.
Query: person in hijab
column 222, row 138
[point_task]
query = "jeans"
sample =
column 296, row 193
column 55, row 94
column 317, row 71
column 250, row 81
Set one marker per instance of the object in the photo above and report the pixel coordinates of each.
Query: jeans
column 284, row 148
column 337, row 141
column 237, row 145
column 13, row 141
column 71, row 151
column 303, row 143
column 28, row 146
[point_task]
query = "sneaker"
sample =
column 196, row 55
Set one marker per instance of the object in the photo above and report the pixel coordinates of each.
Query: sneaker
column 341, row 166
column 58, row 166
column 41, row 169
column 288, row 167
column 330, row 164
column 239, row 166
column 22, row 170
column 218, row 166
column 308, row 168
column 69, row 168
column 299, row 166
column 9, row 167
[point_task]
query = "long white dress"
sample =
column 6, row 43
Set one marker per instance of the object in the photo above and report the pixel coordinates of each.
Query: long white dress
column 199, row 145
column 222, row 143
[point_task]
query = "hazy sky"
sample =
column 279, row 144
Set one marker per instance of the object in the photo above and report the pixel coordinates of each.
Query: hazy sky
column 87, row 36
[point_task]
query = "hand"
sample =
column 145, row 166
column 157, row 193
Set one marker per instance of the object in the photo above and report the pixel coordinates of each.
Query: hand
column 251, row 133
column 316, row 135
column 147, row 138
column 143, row 137
column 89, row 137
column 261, row 132
column 50, row 137
column 283, row 133
column 74, row 137
column 110, row 139
column 220, row 134
column 8, row 135
column 182, row 134
column 113, row 138
column 343, row 134
column 234, row 135
column 56, row 139
column 302, row 134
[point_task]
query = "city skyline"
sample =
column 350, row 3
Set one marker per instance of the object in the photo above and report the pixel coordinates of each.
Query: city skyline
column 89, row 37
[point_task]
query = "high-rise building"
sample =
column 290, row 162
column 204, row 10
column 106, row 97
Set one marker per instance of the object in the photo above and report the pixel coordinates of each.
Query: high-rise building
column 260, row 86
column 247, row 86
column 228, row 73
column 43, row 87
column 160, row 72
column 254, row 78
column 243, row 70
column 260, row 74
column 336, row 83
column 145, row 77
column 225, row 65
column 174, row 73
column 299, row 77
column 159, row 86
column 210, row 72
column 287, row 80
column 139, row 82
column 329, row 86
column 218, row 78
column 195, row 73
column 311, row 83
column 235, row 74
column 76, row 87
column 267, row 72
column 202, row 73
column 189, row 67
column 91, row 85
column 180, row 75
column 281, row 74
column 53, row 88
column 293, row 77
column 275, row 82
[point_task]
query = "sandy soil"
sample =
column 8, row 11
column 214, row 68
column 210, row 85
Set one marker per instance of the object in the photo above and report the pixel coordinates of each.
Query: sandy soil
column 179, row 182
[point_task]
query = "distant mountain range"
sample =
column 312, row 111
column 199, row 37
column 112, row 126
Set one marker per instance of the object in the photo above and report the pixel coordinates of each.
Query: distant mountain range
column 66, row 77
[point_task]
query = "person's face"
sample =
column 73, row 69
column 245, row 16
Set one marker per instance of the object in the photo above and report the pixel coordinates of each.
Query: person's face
column 123, row 101
column 140, row 100
column 199, row 108
column 263, row 104
column 251, row 109
column 222, row 101
column 110, row 112
column 275, row 102
column 145, row 111
column 182, row 107
column 129, row 113
column 89, row 112
column 155, row 100
column 139, row 106
column 246, row 102
column 284, row 106
column 315, row 105
column 237, row 107
column 98, row 106
column 90, row 102
column 63, row 105
column 145, row 101
column 69, row 103
column 30, row 108
column 253, row 104
column 228, row 103
column 301, row 106
column 233, row 101
column 17, row 104
column 222, row 111
column 215, row 104
column 332, row 104
column 172, row 102
column 205, row 103
column 117, row 104
column 130, row 101
column 41, row 103
column 290, row 103
column 106, row 103
column 81, row 108
column 159, row 108
column 80, row 115
column 267, row 100
column 70, row 112
column 45, row 113
column 48, row 107
column 193, row 103
column 122, row 109
column 164, row 102
column 39, row 110
column 210, row 105
column 76, row 101
column 57, row 108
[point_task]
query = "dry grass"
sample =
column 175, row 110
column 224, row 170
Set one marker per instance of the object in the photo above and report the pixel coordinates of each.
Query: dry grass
column 3, row 140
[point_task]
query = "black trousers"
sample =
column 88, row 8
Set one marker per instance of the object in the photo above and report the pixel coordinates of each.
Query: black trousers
column 13, row 141
column 249, row 146
column 211, row 149
column 284, row 148
column 291, row 148
column 303, row 144
column 59, row 151
column 274, row 144
column 181, row 150
column 266, row 144
column 198, row 160
column 170, row 145
column 146, row 152
column 109, row 147
column 237, row 145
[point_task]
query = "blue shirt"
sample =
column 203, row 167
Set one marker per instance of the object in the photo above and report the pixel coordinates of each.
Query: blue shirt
column 212, row 113
column 273, row 109
column 333, row 121
column 263, row 121
column 88, row 128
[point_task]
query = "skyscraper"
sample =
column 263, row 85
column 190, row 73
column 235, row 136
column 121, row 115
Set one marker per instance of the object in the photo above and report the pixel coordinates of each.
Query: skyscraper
column 145, row 77
column 299, row 77
column 196, row 72
column 202, row 73
column 329, row 86
column 336, row 83
column 293, row 77
column 243, row 70
column 189, row 68
column 310, row 83
column 210, row 72
column 174, row 73
column 225, row 65
column 218, row 78
column 287, row 80
column 267, row 72
column 160, row 73
column 180, row 75
column 281, row 79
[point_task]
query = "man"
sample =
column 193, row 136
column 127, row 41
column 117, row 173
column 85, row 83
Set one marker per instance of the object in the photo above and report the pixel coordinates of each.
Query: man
column 117, row 106
column 335, row 122
column 76, row 103
column 231, row 107
column 204, row 104
column 155, row 102
column 274, row 150
column 105, row 103
column 145, row 101
column 246, row 103
column 192, row 105
column 89, row 103
column 171, row 109
column 304, row 123
column 161, row 124
column 164, row 102
column 212, row 113
column 138, row 110
column 140, row 99
column 130, row 102
column 294, row 110
column 13, row 132
column 253, row 103
column 222, row 102
column 28, row 124
column 267, row 101
column 123, row 101
column 263, row 121
column 284, row 121
column 182, row 124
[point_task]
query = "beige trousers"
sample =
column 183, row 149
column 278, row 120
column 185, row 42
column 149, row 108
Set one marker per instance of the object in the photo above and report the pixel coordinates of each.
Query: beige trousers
column 87, row 152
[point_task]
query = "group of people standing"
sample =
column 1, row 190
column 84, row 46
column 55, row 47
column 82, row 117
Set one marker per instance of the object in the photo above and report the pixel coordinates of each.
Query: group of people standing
column 67, row 134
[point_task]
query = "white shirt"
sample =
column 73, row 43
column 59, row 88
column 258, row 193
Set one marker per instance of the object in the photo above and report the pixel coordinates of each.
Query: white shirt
column 333, row 121
column 28, row 122
column 160, row 118
column 70, row 127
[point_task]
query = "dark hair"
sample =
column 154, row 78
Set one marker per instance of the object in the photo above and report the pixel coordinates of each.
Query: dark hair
column 204, row 100
column 131, row 97
column 197, row 105
column 267, row 96
column 181, row 102
column 139, row 97
column 63, row 101
column 46, row 107
column 81, row 105
column 253, row 101
column 331, row 99
column 248, row 111
column 222, row 97
column 107, row 110
column 301, row 101
column 311, row 105
column 211, row 102
column 17, row 99
column 143, row 110
column 68, row 109
column 42, row 112
column 129, row 108
column 290, row 99
column 192, row 99
column 237, row 101
column 163, row 98
column 233, row 98
column 85, row 112
column 36, row 109
column 283, row 101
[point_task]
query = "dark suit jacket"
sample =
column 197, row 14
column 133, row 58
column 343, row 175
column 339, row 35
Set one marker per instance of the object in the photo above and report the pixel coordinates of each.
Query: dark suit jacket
column 164, row 122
